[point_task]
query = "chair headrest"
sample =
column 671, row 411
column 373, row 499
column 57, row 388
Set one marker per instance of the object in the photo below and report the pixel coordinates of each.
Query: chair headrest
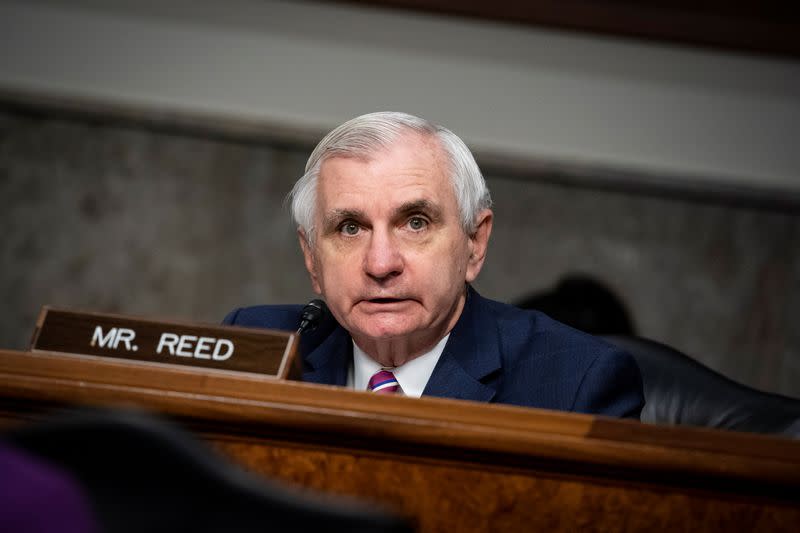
column 680, row 390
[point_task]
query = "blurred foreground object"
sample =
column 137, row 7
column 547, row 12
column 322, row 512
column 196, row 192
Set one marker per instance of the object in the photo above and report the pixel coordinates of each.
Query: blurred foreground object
column 143, row 474
column 39, row 497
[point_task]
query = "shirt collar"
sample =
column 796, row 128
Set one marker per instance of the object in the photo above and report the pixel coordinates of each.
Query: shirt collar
column 412, row 376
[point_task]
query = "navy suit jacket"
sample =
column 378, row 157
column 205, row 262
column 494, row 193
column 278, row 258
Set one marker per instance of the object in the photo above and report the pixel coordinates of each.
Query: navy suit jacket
column 495, row 353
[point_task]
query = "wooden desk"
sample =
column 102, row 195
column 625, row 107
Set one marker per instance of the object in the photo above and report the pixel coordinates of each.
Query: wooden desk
column 451, row 465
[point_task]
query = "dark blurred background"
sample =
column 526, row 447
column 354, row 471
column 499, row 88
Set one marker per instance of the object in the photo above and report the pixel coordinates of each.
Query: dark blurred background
column 146, row 149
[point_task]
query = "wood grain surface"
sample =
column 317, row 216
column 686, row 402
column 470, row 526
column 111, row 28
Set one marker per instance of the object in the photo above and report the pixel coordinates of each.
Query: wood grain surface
column 448, row 464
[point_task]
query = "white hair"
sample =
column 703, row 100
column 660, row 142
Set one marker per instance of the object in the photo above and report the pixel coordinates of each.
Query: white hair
column 370, row 133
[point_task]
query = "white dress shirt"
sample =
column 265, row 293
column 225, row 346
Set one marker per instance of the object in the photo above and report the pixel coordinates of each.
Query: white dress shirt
column 412, row 376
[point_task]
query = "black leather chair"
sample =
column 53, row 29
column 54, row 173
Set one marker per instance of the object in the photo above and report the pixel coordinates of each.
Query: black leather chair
column 679, row 390
column 143, row 474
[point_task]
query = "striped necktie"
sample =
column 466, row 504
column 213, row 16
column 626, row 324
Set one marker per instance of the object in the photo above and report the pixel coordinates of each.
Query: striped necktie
column 383, row 382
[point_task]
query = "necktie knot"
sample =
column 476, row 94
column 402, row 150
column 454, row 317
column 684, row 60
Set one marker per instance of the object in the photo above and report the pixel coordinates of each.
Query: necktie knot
column 383, row 382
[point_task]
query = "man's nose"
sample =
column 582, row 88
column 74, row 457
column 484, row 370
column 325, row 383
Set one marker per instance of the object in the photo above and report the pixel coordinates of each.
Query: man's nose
column 383, row 257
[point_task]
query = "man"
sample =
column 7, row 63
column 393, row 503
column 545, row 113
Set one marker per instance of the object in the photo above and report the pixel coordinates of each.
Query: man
column 394, row 222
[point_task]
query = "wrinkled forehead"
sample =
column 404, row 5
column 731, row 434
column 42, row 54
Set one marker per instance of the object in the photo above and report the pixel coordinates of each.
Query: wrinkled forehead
column 410, row 141
column 414, row 168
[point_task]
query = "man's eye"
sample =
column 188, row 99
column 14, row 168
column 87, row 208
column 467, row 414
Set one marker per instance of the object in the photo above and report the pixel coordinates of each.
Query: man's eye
column 349, row 228
column 417, row 223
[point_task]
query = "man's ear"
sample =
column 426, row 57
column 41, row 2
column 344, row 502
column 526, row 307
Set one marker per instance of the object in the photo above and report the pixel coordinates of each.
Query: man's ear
column 308, row 256
column 479, row 244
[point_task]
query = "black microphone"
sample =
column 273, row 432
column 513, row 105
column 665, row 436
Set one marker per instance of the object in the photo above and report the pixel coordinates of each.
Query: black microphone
column 312, row 315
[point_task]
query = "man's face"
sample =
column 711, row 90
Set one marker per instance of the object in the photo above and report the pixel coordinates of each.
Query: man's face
column 390, row 256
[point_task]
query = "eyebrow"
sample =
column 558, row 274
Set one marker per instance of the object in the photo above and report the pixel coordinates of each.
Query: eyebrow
column 416, row 206
column 332, row 218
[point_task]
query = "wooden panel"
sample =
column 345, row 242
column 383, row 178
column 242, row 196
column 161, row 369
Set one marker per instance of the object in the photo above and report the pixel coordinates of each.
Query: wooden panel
column 446, row 463
column 444, row 496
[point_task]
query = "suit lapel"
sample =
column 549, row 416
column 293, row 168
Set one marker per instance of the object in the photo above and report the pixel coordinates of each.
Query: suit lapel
column 329, row 362
column 472, row 352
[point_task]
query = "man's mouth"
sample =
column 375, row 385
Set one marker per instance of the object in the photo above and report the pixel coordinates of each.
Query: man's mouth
column 385, row 300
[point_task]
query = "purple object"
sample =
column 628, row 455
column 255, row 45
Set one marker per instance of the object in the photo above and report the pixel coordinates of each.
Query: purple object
column 38, row 497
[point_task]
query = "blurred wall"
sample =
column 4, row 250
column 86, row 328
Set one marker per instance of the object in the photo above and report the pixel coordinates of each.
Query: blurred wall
column 113, row 218
column 154, row 210
column 673, row 115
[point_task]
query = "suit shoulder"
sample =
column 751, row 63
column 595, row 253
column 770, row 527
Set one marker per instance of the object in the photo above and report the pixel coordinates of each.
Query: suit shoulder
column 526, row 331
column 612, row 386
column 574, row 370
column 532, row 338
column 281, row 317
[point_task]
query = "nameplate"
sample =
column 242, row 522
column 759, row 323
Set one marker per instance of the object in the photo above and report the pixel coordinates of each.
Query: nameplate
column 231, row 348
